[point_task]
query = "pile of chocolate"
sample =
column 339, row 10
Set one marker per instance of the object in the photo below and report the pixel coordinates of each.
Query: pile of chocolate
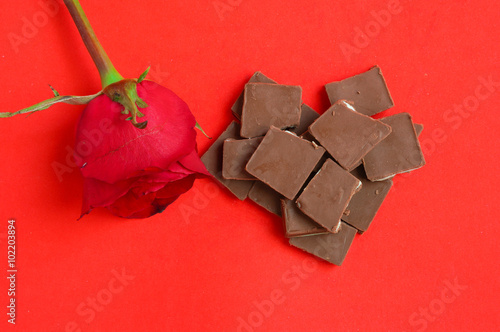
column 325, row 176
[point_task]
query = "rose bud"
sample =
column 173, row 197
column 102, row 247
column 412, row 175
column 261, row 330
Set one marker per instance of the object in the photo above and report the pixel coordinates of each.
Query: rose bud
column 135, row 140
column 134, row 172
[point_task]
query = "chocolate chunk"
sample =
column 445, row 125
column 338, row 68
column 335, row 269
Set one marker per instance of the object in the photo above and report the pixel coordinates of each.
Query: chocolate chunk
column 284, row 161
column 358, row 164
column 330, row 247
column 235, row 157
column 326, row 196
column 257, row 77
column 307, row 136
column 418, row 128
column 266, row 197
column 364, row 204
column 367, row 91
column 296, row 223
column 398, row 153
column 213, row 162
column 307, row 117
column 346, row 134
column 267, row 105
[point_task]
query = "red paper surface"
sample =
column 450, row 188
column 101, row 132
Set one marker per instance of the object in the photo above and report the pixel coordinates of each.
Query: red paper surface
column 429, row 261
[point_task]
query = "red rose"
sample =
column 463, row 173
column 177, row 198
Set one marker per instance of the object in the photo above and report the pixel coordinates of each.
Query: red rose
column 135, row 142
column 133, row 172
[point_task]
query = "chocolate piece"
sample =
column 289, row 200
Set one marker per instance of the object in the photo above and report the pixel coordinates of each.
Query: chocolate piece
column 398, row 153
column 364, row 204
column 266, row 105
column 326, row 196
column 346, row 134
column 320, row 164
column 266, row 197
column 235, row 157
column 296, row 223
column 307, row 117
column 418, row 128
column 367, row 91
column 284, row 161
column 257, row 77
column 213, row 162
column 358, row 164
column 307, row 136
column 330, row 247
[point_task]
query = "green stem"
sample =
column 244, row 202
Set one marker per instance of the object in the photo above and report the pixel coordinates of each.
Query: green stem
column 107, row 71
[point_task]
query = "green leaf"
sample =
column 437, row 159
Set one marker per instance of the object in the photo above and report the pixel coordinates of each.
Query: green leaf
column 143, row 75
column 54, row 91
column 201, row 129
column 72, row 100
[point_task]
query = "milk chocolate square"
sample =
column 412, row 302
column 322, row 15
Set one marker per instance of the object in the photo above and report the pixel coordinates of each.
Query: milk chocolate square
column 236, row 154
column 266, row 105
column 284, row 161
column 307, row 117
column 213, row 162
column 368, row 92
column 266, row 197
column 364, row 204
column 257, row 77
column 398, row 153
column 326, row 196
column 418, row 129
column 346, row 134
column 296, row 223
column 331, row 247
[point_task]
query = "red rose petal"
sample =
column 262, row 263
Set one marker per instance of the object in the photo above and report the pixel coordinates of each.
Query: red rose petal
column 176, row 188
column 193, row 162
column 111, row 149
column 130, row 206
column 99, row 194
column 157, row 206
column 127, row 205
column 154, row 183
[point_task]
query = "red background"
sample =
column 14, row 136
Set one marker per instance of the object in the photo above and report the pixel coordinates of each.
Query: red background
column 212, row 269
